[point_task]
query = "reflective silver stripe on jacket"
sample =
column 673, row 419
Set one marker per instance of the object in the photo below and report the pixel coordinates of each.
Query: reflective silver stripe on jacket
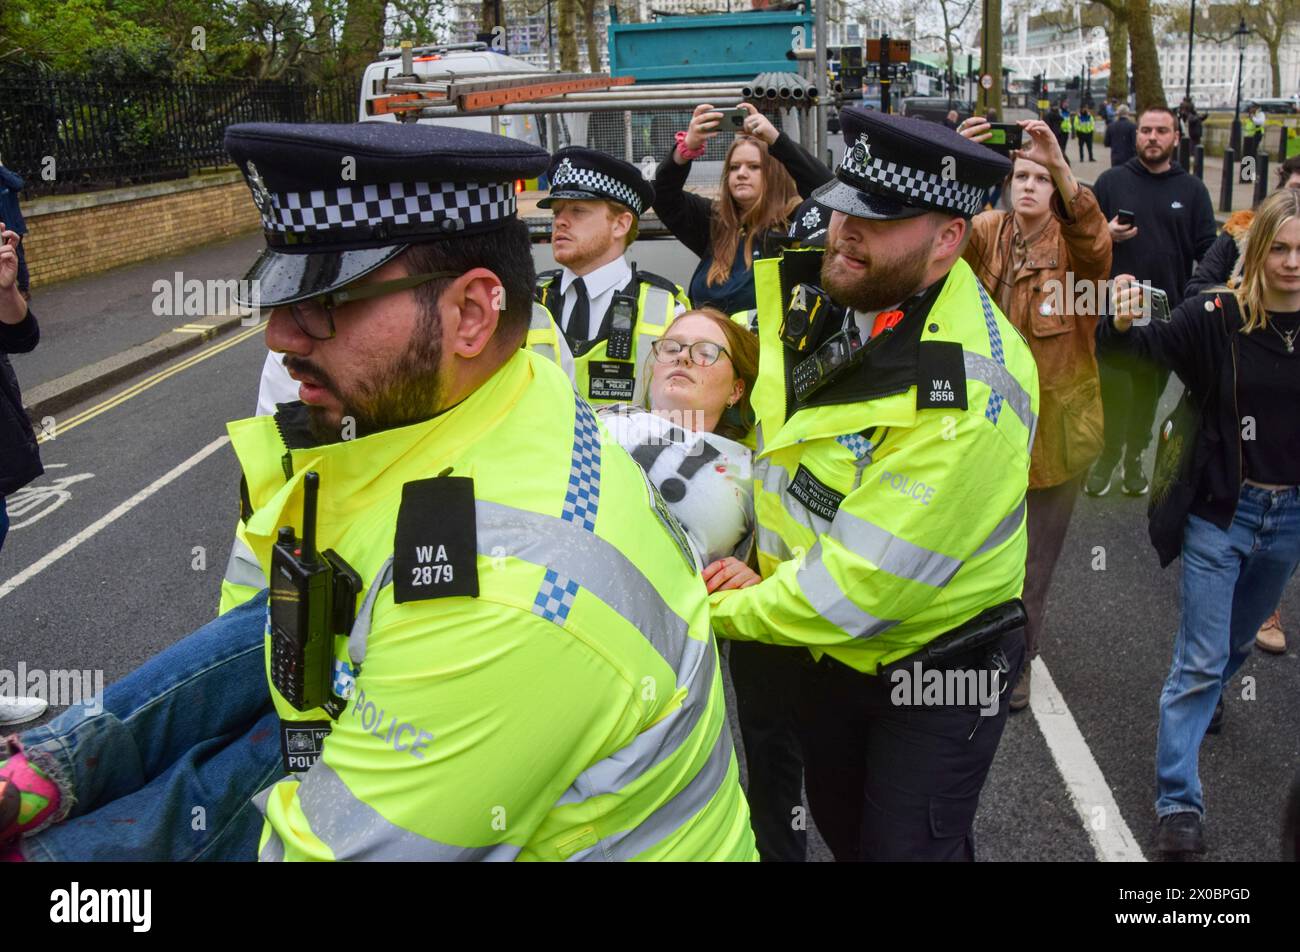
column 671, row 816
column 557, row 351
column 656, row 744
column 894, row 555
column 662, row 304
column 243, row 568
column 776, row 480
column 996, row 376
column 354, row 830
column 830, row 602
column 1004, row 530
column 360, row 633
column 273, row 851
column 596, row 565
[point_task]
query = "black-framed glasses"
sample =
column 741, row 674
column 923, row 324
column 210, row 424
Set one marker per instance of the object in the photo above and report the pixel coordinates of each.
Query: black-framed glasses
column 705, row 353
column 315, row 315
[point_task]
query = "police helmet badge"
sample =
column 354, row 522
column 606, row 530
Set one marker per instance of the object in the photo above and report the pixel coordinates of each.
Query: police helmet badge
column 261, row 194
column 564, row 173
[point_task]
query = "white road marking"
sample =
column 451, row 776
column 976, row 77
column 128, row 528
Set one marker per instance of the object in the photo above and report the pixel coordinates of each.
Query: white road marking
column 93, row 529
column 1111, row 838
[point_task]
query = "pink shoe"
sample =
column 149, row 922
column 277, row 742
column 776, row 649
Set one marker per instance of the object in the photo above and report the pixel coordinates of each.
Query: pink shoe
column 38, row 796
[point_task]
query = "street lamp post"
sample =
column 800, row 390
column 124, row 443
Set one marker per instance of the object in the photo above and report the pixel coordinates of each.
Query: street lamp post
column 1240, row 33
column 1087, row 92
column 1191, row 43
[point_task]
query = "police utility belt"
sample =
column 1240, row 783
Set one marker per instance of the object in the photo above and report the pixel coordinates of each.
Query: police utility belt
column 974, row 643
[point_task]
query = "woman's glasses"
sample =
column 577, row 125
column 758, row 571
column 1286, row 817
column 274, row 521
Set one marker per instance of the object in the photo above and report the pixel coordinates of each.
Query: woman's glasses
column 315, row 316
column 705, row 353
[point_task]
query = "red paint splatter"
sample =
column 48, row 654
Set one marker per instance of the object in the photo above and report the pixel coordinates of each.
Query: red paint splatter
column 258, row 736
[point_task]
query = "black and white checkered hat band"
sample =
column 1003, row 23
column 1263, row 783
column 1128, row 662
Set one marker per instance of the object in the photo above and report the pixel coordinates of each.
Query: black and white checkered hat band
column 397, row 209
column 915, row 186
column 589, row 180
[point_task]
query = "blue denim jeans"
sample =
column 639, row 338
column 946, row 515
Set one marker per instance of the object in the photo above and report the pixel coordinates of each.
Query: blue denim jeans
column 166, row 770
column 1232, row 581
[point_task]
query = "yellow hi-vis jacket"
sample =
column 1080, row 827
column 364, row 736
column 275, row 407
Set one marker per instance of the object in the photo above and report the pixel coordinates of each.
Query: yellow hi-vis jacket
column 597, row 378
column 881, row 525
column 1083, row 127
column 572, row 710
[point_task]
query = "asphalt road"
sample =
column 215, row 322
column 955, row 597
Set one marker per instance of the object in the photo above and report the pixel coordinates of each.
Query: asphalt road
column 121, row 566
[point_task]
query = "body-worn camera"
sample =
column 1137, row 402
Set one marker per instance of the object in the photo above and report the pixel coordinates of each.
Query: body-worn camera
column 313, row 599
column 805, row 316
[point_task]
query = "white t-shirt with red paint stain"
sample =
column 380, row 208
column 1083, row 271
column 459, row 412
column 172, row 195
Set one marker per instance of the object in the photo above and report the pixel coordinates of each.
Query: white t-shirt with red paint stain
column 707, row 480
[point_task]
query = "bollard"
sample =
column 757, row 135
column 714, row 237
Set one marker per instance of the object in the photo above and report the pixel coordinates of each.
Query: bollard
column 1184, row 150
column 1200, row 161
column 1261, row 177
column 1225, row 187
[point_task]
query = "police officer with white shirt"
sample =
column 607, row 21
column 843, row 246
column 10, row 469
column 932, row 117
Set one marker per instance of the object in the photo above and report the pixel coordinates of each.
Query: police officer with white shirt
column 607, row 311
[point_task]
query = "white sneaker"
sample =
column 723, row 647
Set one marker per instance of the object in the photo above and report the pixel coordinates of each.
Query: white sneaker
column 20, row 710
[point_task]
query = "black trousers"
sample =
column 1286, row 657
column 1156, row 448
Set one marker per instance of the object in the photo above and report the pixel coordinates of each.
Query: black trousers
column 888, row 781
column 1085, row 140
column 1130, row 393
column 766, row 681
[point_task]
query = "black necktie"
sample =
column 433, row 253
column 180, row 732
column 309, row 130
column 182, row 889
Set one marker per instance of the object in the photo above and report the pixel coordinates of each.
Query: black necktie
column 580, row 316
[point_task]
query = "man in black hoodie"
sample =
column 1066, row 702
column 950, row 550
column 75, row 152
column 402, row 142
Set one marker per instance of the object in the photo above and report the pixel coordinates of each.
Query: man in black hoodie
column 1173, row 226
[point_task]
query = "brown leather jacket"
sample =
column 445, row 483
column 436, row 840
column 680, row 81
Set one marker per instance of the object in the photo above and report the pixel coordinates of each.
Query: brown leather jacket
column 1076, row 241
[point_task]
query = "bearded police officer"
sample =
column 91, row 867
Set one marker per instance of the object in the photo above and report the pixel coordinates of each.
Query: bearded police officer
column 487, row 638
column 608, row 311
column 896, row 408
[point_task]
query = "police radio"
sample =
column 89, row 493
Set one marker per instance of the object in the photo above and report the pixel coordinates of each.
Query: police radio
column 622, row 317
column 828, row 362
column 313, row 598
column 805, row 316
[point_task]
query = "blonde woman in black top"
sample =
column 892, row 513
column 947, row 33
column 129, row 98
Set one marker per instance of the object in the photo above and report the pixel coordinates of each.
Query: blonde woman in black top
column 1238, row 352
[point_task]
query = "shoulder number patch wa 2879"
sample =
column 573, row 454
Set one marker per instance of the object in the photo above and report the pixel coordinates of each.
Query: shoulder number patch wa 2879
column 435, row 552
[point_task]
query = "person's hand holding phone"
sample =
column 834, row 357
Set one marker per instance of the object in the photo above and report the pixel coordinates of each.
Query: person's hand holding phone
column 1121, row 232
column 758, row 125
column 13, row 306
column 976, row 128
column 1043, row 147
column 1126, row 303
column 703, row 127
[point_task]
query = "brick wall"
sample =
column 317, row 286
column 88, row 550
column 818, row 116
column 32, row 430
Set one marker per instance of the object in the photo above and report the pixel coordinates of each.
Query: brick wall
column 71, row 236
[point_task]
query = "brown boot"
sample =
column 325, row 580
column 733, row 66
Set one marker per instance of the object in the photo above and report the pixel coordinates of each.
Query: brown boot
column 1020, row 693
column 1271, row 637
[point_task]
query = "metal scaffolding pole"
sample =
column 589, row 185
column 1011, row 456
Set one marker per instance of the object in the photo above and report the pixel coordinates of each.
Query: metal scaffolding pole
column 819, row 113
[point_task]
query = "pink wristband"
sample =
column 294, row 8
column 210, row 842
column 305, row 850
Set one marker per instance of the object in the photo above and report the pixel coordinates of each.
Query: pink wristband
column 689, row 154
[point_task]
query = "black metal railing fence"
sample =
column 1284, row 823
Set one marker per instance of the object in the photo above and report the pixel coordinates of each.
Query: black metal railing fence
column 66, row 135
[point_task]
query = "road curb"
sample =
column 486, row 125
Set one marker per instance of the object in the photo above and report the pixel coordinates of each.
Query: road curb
column 59, row 394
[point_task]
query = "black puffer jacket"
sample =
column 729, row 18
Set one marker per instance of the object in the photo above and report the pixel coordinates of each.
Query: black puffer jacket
column 20, row 460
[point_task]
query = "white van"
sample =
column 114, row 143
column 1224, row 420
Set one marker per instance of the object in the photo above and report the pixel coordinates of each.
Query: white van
column 439, row 62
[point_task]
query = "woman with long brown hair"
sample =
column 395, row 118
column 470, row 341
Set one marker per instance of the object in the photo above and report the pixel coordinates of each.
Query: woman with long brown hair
column 765, row 177
column 1030, row 258
column 1236, row 507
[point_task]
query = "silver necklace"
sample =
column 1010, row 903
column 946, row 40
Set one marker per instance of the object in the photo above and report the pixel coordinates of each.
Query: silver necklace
column 1288, row 339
